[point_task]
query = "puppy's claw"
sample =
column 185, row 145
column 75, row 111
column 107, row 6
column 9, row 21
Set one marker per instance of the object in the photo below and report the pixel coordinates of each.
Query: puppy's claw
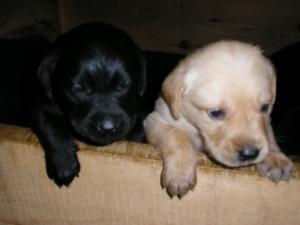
column 178, row 183
column 277, row 167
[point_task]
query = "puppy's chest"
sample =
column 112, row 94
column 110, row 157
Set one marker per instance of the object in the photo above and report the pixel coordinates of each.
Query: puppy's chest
column 194, row 134
column 197, row 142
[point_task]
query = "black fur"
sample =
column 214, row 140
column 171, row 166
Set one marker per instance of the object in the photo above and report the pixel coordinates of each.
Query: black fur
column 62, row 110
column 90, row 86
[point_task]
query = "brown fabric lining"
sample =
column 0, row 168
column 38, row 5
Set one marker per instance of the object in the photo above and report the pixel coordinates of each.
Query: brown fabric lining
column 119, row 184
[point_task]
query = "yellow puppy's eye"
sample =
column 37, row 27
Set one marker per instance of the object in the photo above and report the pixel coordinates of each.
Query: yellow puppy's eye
column 216, row 114
column 264, row 108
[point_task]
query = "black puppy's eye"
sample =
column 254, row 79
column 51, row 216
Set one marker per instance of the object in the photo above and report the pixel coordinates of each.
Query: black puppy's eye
column 216, row 114
column 123, row 85
column 264, row 108
column 77, row 88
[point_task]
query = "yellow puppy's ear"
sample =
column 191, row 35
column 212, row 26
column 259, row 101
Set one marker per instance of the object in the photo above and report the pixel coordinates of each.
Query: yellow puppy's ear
column 172, row 91
column 272, row 72
column 274, row 84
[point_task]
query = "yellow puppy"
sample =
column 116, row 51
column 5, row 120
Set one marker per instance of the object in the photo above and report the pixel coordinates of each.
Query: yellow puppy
column 218, row 100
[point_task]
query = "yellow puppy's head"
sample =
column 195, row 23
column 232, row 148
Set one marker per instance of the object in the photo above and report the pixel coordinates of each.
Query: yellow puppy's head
column 226, row 90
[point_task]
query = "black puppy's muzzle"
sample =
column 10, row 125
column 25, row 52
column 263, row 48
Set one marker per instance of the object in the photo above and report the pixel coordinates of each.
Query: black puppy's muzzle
column 103, row 129
column 102, row 122
column 107, row 127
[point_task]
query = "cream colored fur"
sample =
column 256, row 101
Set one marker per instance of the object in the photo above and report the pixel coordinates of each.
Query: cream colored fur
column 230, row 76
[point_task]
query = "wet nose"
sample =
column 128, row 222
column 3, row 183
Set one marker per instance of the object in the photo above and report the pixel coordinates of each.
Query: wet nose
column 248, row 153
column 107, row 126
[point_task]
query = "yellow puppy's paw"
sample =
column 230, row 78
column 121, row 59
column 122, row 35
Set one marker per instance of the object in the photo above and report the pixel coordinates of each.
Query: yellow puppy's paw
column 178, row 181
column 276, row 166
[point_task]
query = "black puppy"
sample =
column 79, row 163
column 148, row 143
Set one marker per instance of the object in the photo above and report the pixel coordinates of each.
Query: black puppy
column 91, row 82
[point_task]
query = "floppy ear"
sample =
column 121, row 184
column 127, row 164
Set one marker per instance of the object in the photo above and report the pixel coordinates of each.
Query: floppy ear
column 273, row 76
column 172, row 91
column 274, row 84
column 142, row 78
column 45, row 70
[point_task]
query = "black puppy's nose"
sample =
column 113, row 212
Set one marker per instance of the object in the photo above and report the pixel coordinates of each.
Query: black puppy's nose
column 248, row 153
column 107, row 126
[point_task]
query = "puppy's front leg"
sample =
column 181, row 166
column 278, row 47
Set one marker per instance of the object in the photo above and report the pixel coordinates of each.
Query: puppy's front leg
column 275, row 166
column 179, row 158
column 60, row 149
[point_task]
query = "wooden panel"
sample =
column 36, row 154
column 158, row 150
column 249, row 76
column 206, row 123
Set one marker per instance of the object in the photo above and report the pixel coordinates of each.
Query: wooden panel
column 180, row 26
column 29, row 18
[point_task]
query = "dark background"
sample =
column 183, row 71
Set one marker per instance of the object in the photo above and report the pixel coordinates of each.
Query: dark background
column 176, row 26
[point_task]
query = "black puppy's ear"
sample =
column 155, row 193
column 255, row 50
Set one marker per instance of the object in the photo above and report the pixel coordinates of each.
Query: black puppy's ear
column 142, row 78
column 45, row 70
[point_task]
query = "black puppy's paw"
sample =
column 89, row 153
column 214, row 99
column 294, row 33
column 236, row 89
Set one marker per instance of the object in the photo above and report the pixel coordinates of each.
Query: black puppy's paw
column 62, row 168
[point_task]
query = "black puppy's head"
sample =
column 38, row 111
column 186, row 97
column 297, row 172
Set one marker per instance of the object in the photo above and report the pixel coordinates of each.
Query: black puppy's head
column 95, row 74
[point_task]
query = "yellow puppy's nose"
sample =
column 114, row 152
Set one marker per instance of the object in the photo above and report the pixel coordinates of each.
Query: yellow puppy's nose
column 248, row 153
